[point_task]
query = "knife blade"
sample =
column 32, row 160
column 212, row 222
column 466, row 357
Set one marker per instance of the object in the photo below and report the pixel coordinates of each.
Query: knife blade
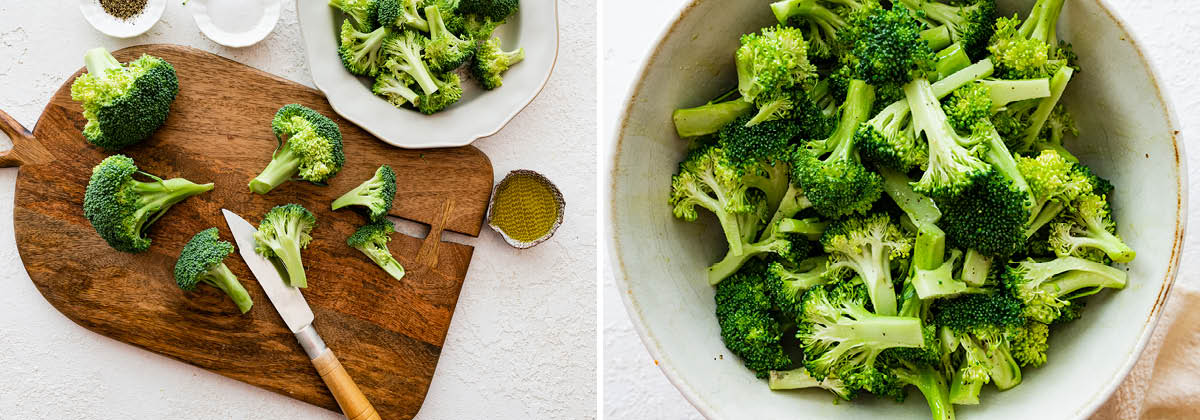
column 298, row 316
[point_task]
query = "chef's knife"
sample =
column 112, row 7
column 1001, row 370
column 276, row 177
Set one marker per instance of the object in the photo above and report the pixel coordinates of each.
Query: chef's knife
column 299, row 317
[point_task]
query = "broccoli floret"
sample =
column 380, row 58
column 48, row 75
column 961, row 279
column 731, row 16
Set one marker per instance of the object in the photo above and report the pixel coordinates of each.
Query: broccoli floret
column 375, row 194
column 868, row 245
column 771, row 67
column 496, row 10
column 395, row 86
column 929, row 381
column 282, row 233
column 405, row 52
column 709, row 118
column 445, row 52
column 310, row 147
column 762, row 154
column 372, row 240
column 954, row 160
column 829, row 170
column 980, row 324
column 121, row 208
column 884, row 47
column 1046, row 287
column 1028, row 342
column 364, row 12
column 707, row 179
column 203, row 261
column 362, row 52
column 747, row 327
column 787, row 283
column 123, row 104
column 1089, row 229
column 401, row 13
column 491, row 62
column 799, row 378
column 841, row 338
column 1029, row 49
column 823, row 19
column 989, row 216
column 449, row 92
column 787, row 238
column 1055, row 182
column 970, row 23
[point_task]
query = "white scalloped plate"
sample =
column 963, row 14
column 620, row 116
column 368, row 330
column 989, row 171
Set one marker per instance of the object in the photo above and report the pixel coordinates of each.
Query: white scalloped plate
column 479, row 114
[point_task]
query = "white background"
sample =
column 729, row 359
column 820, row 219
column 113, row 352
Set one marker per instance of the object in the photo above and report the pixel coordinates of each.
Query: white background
column 522, row 342
column 633, row 387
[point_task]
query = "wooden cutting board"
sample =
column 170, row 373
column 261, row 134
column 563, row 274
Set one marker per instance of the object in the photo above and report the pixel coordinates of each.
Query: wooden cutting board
column 387, row 333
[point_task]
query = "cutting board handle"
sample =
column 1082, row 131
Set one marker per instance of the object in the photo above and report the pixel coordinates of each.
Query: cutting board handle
column 25, row 149
column 352, row 401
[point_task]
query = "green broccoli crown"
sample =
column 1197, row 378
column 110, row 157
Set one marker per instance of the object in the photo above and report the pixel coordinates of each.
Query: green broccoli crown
column 1053, row 177
column 773, row 61
column 970, row 22
column 954, row 160
column 371, row 235
column 314, row 138
column 706, row 179
column 989, row 216
column 124, row 104
column 362, row 52
column 1090, row 232
column 122, row 208
column 496, row 10
column 1046, row 287
column 824, row 19
column 364, row 12
column 746, row 144
column 747, row 327
column 395, row 86
column 884, row 47
column 449, row 92
column 968, row 105
column 288, row 220
column 198, row 257
column 1028, row 343
column 1029, row 49
column 842, row 338
column 888, row 139
column 491, row 62
column 405, row 55
column 400, row 13
column 376, row 194
column 838, row 184
column 445, row 51
column 787, row 283
column 867, row 246
column 976, row 312
column 796, row 104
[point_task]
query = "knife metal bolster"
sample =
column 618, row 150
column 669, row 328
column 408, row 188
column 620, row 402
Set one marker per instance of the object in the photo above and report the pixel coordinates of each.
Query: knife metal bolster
column 311, row 342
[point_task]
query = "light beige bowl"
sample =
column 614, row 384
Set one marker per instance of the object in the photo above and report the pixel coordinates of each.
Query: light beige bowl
column 1127, row 134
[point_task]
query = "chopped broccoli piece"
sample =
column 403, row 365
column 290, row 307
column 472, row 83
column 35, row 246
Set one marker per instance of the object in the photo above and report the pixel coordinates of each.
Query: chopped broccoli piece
column 372, row 240
column 395, row 86
column 496, row 10
column 282, row 233
column 970, row 22
column 787, row 283
column 123, row 104
column 747, row 327
column 203, row 261
column 709, row 118
column 310, row 147
column 121, row 208
column 829, row 170
column 445, row 51
column 405, row 52
column 884, row 47
column 799, row 378
column 1089, row 229
column 375, row 194
column 362, row 52
column 363, row 12
column 491, row 62
column 1046, row 287
column 449, row 92
column 771, row 66
column 868, row 245
column 401, row 14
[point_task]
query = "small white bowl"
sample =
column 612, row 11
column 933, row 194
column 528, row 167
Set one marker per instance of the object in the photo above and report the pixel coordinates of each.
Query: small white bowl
column 235, row 23
column 121, row 28
column 1128, row 133
column 479, row 114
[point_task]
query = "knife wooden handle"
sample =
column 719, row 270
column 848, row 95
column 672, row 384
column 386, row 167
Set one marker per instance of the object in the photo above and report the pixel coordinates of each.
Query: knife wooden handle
column 352, row 401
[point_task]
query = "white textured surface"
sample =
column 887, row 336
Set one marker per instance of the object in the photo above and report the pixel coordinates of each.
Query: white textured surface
column 522, row 342
column 633, row 387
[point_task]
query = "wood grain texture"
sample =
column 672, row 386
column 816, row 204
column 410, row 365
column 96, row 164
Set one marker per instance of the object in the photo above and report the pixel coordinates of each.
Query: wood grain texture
column 389, row 334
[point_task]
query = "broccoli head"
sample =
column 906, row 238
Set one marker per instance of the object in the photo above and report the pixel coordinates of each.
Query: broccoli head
column 121, row 208
column 1089, row 231
column 1047, row 287
column 747, row 327
column 955, row 161
column 787, row 282
column 395, row 86
column 400, row 14
column 203, row 261
column 310, row 147
column 829, row 170
column 123, row 104
column 375, row 194
column 884, row 47
column 496, row 10
column 491, row 62
column 770, row 66
column 822, row 19
column 449, row 92
column 362, row 52
column 282, row 233
column 372, row 240
column 970, row 22
column 867, row 245
column 405, row 52
column 363, row 12
column 445, row 51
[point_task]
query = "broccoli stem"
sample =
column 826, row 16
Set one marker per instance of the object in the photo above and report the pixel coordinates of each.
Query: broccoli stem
column 708, row 119
column 933, row 387
column 937, row 37
column 933, row 275
column 794, row 201
column 1042, row 22
column 283, row 166
column 1004, row 92
column 1037, row 121
column 155, row 198
column 1003, row 370
column 951, row 59
column 734, row 261
column 919, row 208
column 99, row 61
column 1067, row 284
column 361, row 195
column 976, row 267
column 288, row 253
column 982, row 69
column 1044, row 215
column 220, row 277
column 787, row 9
column 1099, row 238
column 382, row 257
column 1003, row 162
column 860, row 97
column 963, row 391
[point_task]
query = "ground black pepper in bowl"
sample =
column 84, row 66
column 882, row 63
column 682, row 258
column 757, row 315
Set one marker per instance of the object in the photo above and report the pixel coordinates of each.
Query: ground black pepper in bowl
column 123, row 9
